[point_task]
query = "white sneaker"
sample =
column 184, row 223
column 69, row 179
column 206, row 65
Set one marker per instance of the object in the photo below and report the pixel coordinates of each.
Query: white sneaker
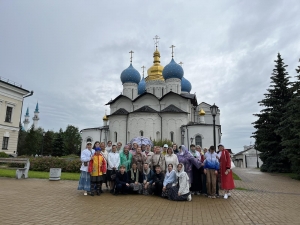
column 189, row 198
column 85, row 193
column 226, row 196
column 198, row 193
column 229, row 194
column 192, row 192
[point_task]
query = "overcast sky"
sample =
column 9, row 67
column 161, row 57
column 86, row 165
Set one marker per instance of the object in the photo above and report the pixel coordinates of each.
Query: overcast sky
column 71, row 53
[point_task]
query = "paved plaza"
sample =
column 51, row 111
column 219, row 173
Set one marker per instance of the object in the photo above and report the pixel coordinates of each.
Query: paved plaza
column 269, row 199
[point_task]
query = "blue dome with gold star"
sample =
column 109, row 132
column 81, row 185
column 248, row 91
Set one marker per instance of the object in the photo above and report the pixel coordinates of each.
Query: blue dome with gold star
column 185, row 85
column 142, row 86
column 130, row 75
column 173, row 70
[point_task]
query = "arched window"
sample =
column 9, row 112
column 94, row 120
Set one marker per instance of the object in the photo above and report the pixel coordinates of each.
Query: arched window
column 128, row 136
column 157, row 135
column 141, row 133
column 88, row 140
column 198, row 140
column 116, row 137
column 132, row 93
column 172, row 136
column 162, row 92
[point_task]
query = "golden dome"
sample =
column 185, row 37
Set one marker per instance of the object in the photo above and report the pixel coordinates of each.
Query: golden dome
column 105, row 118
column 201, row 112
column 155, row 71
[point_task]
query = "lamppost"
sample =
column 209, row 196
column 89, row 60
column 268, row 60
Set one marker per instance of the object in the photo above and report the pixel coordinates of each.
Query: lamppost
column 182, row 135
column 257, row 163
column 43, row 143
column 191, row 140
column 214, row 112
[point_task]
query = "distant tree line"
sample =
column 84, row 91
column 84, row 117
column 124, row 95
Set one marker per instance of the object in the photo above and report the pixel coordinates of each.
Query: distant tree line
column 277, row 132
column 59, row 143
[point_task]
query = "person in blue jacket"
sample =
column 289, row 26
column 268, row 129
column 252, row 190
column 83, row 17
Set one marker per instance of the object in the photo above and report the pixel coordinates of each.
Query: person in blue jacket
column 211, row 167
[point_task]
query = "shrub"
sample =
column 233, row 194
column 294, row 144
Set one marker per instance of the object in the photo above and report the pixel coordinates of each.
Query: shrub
column 45, row 163
column 3, row 155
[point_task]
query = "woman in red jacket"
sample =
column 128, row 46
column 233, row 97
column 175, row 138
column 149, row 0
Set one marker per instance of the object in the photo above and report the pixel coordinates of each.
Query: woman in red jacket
column 227, row 182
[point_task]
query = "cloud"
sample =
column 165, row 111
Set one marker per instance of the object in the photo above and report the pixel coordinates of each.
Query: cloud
column 72, row 53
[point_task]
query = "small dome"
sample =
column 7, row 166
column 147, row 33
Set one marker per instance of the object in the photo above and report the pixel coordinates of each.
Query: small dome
column 130, row 75
column 142, row 86
column 173, row 70
column 185, row 85
column 105, row 118
column 201, row 112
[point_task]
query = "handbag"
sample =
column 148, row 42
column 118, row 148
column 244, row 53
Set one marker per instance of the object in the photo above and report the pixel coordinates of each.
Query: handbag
column 136, row 187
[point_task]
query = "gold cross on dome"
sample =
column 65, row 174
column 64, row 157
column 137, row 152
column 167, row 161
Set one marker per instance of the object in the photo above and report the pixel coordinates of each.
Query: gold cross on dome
column 143, row 67
column 131, row 52
column 181, row 63
column 156, row 40
column 172, row 46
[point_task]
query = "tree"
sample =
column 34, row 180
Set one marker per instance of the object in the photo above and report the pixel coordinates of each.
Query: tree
column 48, row 142
column 21, row 142
column 58, row 144
column 268, row 141
column 72, row 140
column 33, row 142
column 290, row 126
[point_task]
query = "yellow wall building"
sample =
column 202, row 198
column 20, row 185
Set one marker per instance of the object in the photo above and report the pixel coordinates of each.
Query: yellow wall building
column 11, row 103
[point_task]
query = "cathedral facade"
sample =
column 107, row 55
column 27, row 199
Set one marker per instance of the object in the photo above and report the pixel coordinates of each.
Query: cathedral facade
column 158, row 106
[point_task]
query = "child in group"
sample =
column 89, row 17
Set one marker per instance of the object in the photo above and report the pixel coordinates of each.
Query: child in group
column 97, row 168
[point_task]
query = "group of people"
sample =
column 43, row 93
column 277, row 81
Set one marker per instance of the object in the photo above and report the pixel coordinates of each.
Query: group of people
column 170, row 172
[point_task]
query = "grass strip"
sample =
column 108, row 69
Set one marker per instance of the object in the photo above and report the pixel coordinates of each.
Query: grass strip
column 38, row 174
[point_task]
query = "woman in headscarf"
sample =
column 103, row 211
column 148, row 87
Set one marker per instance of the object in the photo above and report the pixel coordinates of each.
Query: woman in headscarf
column 171, row 158
column 197, row 182
column 170, row 179
column 139, row 159
column 126, row 158
column 105, row 155
column 135, row 179
column 180, row 192
column 186, row 158
column 226, row 178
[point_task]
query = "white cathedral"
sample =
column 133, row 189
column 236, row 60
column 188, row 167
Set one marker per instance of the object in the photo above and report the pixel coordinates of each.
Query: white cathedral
column 159, row 106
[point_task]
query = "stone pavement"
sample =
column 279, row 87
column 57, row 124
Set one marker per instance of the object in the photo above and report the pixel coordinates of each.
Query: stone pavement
column 269, row 199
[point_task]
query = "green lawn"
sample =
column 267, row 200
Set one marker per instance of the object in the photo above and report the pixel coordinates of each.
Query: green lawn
column 37, row 174
column 236, row 177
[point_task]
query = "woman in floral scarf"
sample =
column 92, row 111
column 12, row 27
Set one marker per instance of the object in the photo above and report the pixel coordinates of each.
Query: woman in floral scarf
column 139, row 159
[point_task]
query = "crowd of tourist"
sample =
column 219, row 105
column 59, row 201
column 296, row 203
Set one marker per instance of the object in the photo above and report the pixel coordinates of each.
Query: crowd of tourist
column 170, row 172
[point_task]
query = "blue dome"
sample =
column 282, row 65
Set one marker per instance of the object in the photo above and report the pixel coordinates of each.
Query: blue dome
column 130, row 75
column 173, row 70
column 185, row 85
column 142, row 87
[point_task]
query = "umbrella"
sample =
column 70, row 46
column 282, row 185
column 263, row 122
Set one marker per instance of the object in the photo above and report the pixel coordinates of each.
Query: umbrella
column 141, row 141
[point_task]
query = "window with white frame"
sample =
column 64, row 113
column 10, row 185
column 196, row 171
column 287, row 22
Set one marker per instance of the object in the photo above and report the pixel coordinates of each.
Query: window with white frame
column 5, row 143
column 8, row 115
column 172, row 136
column 198, row 140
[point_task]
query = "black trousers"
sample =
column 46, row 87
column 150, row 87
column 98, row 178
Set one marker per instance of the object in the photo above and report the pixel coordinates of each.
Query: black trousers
column 157, row 188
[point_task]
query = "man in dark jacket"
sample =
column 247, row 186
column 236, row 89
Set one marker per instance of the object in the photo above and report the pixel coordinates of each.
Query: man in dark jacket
column 158, row 180
column 122, row 184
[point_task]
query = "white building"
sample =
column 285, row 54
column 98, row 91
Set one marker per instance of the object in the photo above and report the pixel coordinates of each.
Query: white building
column 159, row 106
column 248, row 158
column 11, row 102
column 35, row 118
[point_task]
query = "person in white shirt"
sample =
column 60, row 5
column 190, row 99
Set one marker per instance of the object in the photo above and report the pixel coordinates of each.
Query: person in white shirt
column 149, row 155
column 171, row 158
column 85, row 179
column 113, row 162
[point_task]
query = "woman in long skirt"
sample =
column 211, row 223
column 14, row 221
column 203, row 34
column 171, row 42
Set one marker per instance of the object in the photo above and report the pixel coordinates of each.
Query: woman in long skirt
column 181, row 192
column 226, row 177
column 170, row 179
column 85, row 178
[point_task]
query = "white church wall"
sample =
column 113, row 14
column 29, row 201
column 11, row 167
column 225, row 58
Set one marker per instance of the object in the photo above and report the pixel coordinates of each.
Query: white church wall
column 121, row 103
column 206, row 133
column 148, row 123
column 148, row 100
column 173, row 99
column 92, row 134
column 117, row 128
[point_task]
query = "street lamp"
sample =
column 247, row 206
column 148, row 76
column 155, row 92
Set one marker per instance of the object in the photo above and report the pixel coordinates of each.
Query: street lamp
column 257, row 163
column 191, row 140
column 214, row 112
column 43, row 143
column 182, row 135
